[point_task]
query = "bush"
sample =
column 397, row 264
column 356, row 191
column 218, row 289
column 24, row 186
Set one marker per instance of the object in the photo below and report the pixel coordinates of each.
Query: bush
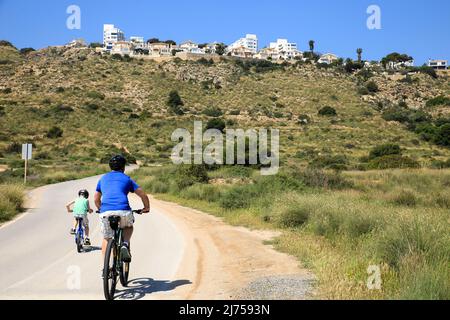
column 405, row 198
column 337, row 162
column 440, row 100
column 95, row 95
column 291, row 211
column 327, row 111
column 175, row 103
column 14, row 147
column 372, row 87
column 201, row 192
column 216, row 123
column 392, row 162
column 213, row 112
column 235, row 198
column 54, row 133
column 188, row 175
column 385, row 150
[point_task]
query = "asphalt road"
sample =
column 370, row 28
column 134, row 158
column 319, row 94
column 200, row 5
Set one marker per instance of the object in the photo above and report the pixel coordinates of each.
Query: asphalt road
column 39, row 258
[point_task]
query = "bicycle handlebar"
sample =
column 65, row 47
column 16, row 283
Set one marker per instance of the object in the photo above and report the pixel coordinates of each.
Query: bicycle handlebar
column 140, row 212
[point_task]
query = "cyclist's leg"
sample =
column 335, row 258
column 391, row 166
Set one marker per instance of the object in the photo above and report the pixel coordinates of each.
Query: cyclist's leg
column 86, row 225
column 107, row 232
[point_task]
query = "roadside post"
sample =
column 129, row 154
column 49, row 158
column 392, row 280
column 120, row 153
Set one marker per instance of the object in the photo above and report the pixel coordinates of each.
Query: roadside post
column 26, row 155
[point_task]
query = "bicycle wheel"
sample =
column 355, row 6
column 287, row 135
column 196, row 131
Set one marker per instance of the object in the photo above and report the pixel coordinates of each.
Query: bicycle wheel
column 109, row 271
column 124, row 272
column 78, row 241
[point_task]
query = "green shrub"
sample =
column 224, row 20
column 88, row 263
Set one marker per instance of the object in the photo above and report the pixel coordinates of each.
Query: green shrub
column 54, row 133
column 440, row 100
column 175, row 103
column 213, row 112
column 392, row 162
column 327, row 111
column 235, row 198
column 188, row 175
column 95, row 95
column 405, row 198
column 217, row 124
column 337, row 162
column 372, row 87
column 202, row 192
column 385, row 150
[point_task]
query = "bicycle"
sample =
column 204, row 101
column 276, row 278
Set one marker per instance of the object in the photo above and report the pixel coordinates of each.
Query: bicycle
column 113, row 265
column 79, row 235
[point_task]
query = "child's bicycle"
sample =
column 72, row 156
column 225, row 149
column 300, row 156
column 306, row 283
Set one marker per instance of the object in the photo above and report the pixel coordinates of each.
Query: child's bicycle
column 79, row 235
column 114, row 266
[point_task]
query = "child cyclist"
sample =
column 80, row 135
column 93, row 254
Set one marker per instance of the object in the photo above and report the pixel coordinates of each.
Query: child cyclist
column 81, row 208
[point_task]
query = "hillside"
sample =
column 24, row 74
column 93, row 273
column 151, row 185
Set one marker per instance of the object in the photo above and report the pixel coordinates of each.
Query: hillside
column 104, row 103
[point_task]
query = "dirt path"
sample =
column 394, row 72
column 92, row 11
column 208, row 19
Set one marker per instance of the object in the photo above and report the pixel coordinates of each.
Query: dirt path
column 227, row 262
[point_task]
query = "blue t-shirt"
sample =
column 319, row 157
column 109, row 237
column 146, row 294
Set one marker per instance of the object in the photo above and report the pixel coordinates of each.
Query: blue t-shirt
column 114, row 187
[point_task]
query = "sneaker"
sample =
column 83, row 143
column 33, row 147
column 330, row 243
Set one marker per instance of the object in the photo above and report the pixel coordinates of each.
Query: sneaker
column 72, row 231
column 87, row 242
column 125, row 253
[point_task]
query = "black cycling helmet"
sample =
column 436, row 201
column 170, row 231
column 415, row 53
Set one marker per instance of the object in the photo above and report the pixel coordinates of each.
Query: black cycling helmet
column 83, row 193
column 117, row 163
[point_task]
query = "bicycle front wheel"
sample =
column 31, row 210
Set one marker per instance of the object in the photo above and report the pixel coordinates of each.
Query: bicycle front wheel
column 110, row 271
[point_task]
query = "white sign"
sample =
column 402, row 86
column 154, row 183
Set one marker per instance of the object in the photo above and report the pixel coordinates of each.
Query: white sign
column 27, row 151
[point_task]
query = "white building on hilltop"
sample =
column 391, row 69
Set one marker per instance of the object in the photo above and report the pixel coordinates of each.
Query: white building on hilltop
column 285, row 49
column 137, row 42
column 250, row 42
column 111, row 35
column 438, row 64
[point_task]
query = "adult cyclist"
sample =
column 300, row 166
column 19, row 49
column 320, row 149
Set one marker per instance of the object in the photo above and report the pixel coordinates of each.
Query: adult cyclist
column 111, row 198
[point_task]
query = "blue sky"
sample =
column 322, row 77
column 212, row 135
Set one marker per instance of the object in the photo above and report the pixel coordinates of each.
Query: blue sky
column 419, row 28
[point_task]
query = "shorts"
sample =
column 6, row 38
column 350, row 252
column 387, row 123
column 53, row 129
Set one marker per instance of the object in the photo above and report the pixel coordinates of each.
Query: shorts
column 85, row 220
column 126, row 221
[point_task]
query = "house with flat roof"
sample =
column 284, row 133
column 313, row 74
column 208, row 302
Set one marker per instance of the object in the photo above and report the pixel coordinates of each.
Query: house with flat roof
column 328, row 58
column 250, row 43
column 191, row 47
column 286, row 50
column 160, row 49
column 438, row 64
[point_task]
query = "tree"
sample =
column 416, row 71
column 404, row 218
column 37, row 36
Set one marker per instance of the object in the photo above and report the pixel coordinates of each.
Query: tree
column 359, row 51
column 220, row 49
column 94, row 45
column 311, row 45
column 25, row 51
column 171, row 42
column 175, row 103
column 153, row 40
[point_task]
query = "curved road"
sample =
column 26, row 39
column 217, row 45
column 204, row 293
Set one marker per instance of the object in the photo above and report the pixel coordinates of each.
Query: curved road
column 178, row 253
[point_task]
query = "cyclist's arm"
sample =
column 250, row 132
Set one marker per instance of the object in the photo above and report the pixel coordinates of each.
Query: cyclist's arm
column 69, row 205
column 89, row 208
column 98, row 199
column 145, row 201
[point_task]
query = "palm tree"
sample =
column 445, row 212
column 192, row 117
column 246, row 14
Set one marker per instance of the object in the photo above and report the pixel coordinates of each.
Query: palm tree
column 311, row 45
column 359, row 51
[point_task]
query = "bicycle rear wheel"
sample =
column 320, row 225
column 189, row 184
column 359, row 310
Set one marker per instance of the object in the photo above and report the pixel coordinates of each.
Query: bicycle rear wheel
column 124, row 272
column 110, row 271
column 78, row 241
